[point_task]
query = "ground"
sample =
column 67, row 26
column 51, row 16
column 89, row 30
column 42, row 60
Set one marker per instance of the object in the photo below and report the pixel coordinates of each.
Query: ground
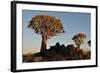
column 58, row 53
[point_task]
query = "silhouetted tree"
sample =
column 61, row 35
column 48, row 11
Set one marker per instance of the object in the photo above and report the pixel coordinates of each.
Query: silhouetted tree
column 89, row 42
column 47, row 27
column 79, row 39
column 57, row 44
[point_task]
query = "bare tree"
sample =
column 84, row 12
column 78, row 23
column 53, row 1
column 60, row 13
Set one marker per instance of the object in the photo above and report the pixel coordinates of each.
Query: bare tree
column 47, row 27
column 79, row 39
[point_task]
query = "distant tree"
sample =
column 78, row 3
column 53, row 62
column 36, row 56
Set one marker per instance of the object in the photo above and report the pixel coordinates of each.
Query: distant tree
column 89, row 42
column 47, row 27
column 57, row 44
column 79, row 39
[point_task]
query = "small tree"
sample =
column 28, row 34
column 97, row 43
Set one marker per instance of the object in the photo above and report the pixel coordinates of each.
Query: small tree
column 89, row 43
column 47, row 27
column 79, row 39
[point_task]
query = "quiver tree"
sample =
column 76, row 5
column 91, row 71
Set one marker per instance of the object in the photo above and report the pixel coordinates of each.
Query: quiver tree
column 79, row 39
column 47, row 27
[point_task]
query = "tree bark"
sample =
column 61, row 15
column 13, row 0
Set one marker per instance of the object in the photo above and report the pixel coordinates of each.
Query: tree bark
column 43, row 44
column 78, row 47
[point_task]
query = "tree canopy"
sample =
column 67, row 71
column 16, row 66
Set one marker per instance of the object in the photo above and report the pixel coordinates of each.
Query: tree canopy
column 47, row 26
column 79, row 38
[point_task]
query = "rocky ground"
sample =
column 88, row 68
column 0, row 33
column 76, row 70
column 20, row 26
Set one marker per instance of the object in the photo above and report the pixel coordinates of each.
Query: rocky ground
column 58, row 53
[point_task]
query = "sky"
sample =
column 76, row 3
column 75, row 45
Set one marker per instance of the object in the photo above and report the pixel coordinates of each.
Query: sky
column 73, row 23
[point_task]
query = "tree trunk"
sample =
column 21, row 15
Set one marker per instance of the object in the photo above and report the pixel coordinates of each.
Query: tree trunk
column 78, row 47
column 43, row 44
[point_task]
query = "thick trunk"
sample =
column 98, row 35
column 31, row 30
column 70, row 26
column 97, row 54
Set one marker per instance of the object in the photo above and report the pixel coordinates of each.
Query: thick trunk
column 43, row 44
column 78, row 47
